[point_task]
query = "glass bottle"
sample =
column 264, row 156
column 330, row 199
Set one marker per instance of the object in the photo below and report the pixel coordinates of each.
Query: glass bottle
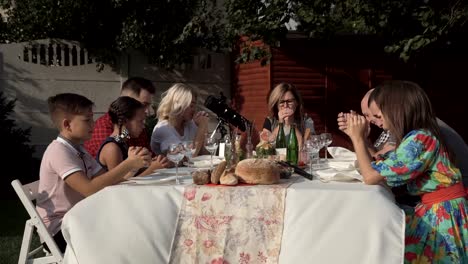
column 238, row 148
column 292, row 151
column 228, row 150
column 280, row 138
column 281, row 143
column 249, row 149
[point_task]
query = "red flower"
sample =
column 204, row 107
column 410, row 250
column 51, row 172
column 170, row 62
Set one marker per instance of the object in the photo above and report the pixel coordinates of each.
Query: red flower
column 411, row 240
column 410, row 256
column 429, row 142
column 188, row 242
column 261, row 257
column 190, row 193
column 442, row 168
column 415, row 174
column 428, row 252
column 219, row 261
column 400, row 170
column 244, row 258
column 205, row 197
column 450, row 231
column 441, row 214
column 208, row 243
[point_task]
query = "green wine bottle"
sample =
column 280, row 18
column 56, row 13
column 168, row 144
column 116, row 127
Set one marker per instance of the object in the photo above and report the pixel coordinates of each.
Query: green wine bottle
column 280, row 138
column 292, row 151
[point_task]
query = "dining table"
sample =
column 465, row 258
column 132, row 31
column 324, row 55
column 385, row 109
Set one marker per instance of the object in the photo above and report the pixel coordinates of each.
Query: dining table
column 323, row 222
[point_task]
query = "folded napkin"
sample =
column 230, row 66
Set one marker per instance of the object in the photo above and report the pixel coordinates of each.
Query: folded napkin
column 206, row 163
column 341, row 153
column 341, row 167
column 333, row 174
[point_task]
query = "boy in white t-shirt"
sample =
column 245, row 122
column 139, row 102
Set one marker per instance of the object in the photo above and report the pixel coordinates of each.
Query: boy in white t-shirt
column 68, row 173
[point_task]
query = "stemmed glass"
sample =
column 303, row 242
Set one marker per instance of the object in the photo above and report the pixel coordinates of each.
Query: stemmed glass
column 189, row 148
column 326, row 141
column 175, row 153
column 211, row 144
column 313, row 146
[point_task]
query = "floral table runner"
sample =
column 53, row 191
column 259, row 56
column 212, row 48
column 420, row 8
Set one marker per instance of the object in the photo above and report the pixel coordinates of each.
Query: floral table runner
column 239, row 224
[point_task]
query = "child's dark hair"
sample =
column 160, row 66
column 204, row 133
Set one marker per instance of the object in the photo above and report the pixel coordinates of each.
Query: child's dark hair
column 67, row 103
column 123, row 109
column 136, row 84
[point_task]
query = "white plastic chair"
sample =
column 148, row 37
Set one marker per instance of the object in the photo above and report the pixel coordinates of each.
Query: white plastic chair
column 27, row 194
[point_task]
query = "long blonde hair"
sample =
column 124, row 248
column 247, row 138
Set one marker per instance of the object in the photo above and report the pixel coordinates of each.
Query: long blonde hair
column 174, row 102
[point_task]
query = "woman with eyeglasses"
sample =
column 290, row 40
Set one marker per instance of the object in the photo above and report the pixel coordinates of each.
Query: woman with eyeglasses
column 285, row 106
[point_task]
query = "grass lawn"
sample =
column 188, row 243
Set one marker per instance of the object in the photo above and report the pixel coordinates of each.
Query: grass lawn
column 12, row 223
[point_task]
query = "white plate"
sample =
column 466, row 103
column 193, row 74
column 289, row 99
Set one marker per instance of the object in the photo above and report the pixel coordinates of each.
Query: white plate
column 152, row 179
column 172, row 171
column 202, row 157
column 204, row 161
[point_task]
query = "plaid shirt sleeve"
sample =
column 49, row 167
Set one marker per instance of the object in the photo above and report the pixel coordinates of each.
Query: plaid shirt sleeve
column 102, row 129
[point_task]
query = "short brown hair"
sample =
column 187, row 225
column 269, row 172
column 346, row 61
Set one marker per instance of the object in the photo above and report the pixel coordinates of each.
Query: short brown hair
column 64, row 104
column 136, row 84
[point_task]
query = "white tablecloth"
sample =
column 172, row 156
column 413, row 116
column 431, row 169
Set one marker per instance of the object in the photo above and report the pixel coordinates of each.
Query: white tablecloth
column 324, row 223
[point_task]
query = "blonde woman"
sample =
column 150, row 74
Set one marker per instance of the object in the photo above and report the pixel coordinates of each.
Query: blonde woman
column 178, row 121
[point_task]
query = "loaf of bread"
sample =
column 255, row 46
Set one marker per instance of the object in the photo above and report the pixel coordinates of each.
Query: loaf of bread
column 258, row 171
column 217, row 172
column 228, row 178
column 201, row 177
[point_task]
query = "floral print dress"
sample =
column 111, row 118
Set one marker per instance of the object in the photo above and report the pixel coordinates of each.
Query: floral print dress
column 440, row 233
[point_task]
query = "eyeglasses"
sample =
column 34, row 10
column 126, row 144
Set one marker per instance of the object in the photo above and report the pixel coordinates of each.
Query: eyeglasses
column 284, row 102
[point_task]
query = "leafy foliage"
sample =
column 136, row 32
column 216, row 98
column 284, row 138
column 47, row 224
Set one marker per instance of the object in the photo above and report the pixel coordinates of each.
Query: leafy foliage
column 167, row 31
column 108, row 27
column 15, row 148
column 406, row 26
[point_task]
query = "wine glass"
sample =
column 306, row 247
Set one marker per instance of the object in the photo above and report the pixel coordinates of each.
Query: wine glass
column 175, row 153
column 313, row 146
column 189, row 148
column 326, row 141
column 211, row 144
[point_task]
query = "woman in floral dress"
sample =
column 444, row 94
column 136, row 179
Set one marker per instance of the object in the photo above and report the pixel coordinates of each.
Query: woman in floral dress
column 437, row 229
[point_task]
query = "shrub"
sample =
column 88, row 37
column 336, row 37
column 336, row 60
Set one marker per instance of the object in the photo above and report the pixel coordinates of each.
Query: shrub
column 16, row 154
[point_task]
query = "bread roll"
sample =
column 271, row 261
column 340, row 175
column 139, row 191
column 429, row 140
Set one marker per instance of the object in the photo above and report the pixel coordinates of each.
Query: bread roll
column 201, row 177
column 258, row 171
column 217, row 172
column 228, row 178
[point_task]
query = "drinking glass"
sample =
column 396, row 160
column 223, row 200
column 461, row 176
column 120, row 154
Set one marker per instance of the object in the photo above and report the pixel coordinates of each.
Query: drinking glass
column 326, row 140
column 176, row 153
column 313, row 146
column 211, row 144
column 189, row 148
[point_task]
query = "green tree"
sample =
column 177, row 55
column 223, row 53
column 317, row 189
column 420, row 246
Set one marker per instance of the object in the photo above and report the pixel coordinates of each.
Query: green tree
column 167, row 31
column 406, row 27
column 109, row 27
